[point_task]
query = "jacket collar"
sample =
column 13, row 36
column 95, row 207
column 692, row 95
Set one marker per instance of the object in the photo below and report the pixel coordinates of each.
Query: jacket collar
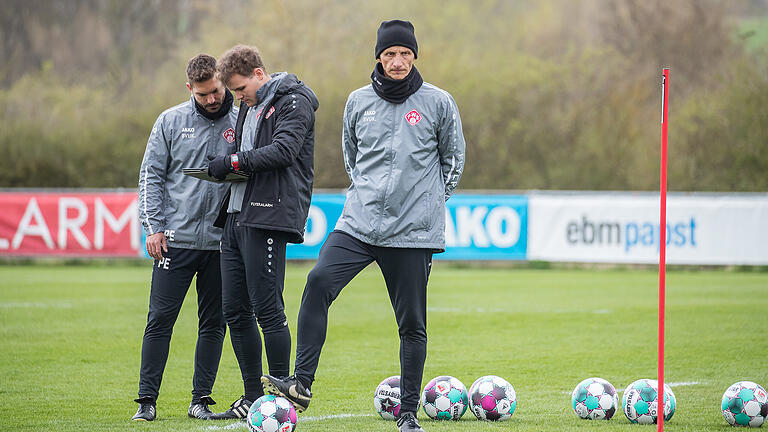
column 268, row 90
column 226, row 105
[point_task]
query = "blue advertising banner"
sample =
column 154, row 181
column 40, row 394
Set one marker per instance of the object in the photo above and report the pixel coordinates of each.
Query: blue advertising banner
column 324, row 211
column 478, row 227
column 606, row 227
column 486, row 227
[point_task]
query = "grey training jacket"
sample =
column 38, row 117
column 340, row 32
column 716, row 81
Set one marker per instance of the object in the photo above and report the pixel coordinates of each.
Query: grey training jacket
column 184, row 207
column 404, row 161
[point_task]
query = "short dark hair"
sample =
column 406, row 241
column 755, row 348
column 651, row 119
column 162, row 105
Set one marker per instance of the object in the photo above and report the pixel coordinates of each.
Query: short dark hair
column 201, row 67
column 241, row 60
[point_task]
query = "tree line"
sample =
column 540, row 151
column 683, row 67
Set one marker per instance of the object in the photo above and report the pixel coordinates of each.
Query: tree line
column 553, row 94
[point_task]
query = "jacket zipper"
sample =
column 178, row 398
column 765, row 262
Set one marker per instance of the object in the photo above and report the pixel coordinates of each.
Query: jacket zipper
column 258, row 138
column 389, row 172
column 206, row 189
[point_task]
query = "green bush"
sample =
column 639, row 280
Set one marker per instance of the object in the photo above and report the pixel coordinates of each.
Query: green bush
column 553, row 94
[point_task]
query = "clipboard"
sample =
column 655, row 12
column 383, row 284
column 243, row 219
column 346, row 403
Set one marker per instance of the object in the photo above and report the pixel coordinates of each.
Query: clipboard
column 202, row 174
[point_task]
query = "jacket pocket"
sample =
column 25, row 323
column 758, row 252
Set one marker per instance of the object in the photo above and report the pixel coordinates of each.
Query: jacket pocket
column 427, row 217
column 221, row 218
column 278, row 179
column 263, row 189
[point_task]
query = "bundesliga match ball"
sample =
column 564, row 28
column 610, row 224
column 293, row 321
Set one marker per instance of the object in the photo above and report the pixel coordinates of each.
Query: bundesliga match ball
column 386, row 398
column 641, row 399
column 492, row 398
column 445, row 398
column 595, row 399
column 271, row 413
column 745, row 404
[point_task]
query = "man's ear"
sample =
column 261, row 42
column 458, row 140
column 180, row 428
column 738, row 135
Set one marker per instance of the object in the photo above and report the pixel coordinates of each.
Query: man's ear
column 189, row 87
column 259, row 73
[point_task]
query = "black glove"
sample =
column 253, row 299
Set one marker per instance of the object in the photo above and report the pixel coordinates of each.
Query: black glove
column 219, row 168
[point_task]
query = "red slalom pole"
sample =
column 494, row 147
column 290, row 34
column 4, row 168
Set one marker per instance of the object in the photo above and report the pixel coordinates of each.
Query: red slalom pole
column 662, row 243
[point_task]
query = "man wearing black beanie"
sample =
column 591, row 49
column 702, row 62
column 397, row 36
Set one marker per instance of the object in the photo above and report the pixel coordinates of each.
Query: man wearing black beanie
column 393, row 33
column 404, row 153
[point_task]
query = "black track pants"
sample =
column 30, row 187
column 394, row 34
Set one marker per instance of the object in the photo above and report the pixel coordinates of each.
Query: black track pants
column 171, row 278
column 253, row 273
column 406, row 272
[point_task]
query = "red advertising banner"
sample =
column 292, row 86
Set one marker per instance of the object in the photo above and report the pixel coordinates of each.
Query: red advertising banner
column 69, row 224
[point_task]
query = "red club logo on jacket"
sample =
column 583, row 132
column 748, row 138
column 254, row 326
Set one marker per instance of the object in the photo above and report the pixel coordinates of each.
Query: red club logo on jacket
column 229, row 135
column 413, row 117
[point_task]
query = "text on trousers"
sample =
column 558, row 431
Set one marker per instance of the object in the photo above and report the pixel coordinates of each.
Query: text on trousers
column 164, row 263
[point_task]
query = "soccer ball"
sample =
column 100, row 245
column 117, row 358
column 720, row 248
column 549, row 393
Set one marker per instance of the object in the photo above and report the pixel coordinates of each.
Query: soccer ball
column 492, row 398
column 386, row 398
column 445, row 398
column 745, row 404
column 641, row 400
column 595, row 399
column 672, row 402
column 271, row 413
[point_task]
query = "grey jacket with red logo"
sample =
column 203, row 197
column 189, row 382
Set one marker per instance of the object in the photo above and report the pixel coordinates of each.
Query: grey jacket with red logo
column 404, row 161
column 184, row 207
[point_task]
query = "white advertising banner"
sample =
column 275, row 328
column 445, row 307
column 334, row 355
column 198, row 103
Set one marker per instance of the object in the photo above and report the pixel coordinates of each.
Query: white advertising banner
column 624, row 228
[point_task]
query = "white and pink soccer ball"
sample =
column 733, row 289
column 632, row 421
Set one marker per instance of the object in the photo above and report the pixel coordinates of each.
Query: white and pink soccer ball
column 445, row 398
column 386, row 398
column 492, row 398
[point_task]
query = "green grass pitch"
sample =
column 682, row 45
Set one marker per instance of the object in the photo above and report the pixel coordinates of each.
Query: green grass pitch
column 71, row 339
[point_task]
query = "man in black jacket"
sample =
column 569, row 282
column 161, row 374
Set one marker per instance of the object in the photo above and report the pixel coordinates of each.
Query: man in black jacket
column 275, row 136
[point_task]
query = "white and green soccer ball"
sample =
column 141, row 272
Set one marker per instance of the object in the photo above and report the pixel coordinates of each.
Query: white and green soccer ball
column 641, row 399
column 595, row 399
column 745, row 404
column 271, row 413
column 445, row 398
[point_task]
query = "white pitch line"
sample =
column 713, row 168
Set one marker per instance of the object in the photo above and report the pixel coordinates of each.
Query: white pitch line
column 674, row 384
column 333, row 416
column 242, row 425
column 237, row 425
column 27, row 305
column 684, row 383
column 438, row 309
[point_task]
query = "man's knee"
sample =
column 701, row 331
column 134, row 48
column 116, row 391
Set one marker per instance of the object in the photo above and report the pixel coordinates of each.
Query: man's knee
column 271, row 316
column 238, row 317
column 272, row 323
column 414, row 330
column 319, row 286
column 161, row 321
column 213, row 327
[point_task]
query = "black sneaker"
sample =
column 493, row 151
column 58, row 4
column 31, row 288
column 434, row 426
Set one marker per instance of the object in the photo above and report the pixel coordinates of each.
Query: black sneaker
column 408, row 423
column 147, row 410
column 200, row 409
column 238, row 410
column 289, row 388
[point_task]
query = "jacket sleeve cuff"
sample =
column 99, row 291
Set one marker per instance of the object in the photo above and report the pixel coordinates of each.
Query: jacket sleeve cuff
column 152, row 228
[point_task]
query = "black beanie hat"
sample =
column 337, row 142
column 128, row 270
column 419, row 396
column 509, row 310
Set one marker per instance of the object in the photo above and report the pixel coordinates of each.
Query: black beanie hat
column 396, row 32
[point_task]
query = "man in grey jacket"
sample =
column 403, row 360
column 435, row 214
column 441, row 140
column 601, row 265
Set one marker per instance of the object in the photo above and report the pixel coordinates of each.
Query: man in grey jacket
column 177, row 213
column 404, row 153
